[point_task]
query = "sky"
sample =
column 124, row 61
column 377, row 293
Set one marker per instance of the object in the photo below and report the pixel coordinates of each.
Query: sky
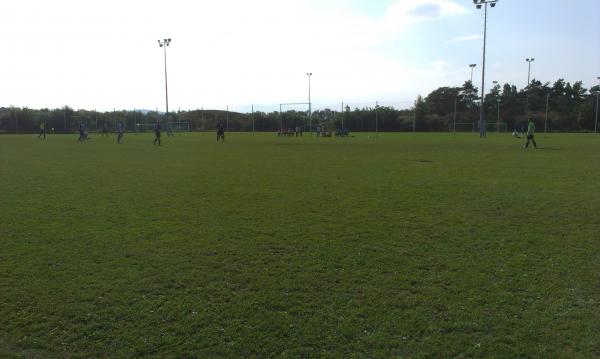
column 104, row 55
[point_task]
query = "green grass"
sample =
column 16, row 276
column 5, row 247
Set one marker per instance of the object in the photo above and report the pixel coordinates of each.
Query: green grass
column 401, row 246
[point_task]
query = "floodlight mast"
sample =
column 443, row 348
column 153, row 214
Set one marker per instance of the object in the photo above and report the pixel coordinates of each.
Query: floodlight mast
column 472, row 66
column 529, row 61
column 478, row 5
column 164, row 43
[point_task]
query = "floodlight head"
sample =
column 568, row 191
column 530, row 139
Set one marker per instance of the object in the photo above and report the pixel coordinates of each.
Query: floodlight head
column 158, row 41
column 165, row 40
column 478, row 6
column 493, row 4
column 160, row 45
column 472, row 65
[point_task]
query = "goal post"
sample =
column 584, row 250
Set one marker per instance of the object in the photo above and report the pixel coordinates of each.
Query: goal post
column 497, row 127
column 179, row 126
column 464, row 127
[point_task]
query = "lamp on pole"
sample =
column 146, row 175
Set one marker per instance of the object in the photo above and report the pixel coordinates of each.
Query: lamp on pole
column 529, row 61
column 478, row 5
column 309, row 74
column 164, row 43
column 472, row 66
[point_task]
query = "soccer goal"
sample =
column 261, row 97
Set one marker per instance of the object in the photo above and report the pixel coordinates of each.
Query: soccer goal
column 497, row 127
column 179, row 126
column 464, row 127
column 144, row 127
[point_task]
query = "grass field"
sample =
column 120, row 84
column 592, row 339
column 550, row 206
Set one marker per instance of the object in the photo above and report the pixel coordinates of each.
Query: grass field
column 401, row 246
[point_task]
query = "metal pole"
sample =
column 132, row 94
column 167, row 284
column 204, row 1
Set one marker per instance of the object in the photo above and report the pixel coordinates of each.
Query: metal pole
column 454, row 117
column 309, row 74
column 498, row 119
column 596, row 124
column 482, row 133
column 376, row 119
column 415, row 117
column 546, row 121
column 527, row 88
column 166, row 86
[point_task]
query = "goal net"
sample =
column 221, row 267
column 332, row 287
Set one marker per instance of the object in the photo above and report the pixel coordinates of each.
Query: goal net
column 497, row 127
column 178, row 126
column 464, row 127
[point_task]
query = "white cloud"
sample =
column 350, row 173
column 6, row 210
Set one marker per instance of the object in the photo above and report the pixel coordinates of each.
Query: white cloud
column 464, row 38
column 103, row 54
column 405, row 12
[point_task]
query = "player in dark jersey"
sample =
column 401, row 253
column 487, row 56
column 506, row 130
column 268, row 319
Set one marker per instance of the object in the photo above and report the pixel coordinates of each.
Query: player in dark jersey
column 220, row 132
column 119, row 131
column 157, row 132
column 81, row 132
column 42, row 130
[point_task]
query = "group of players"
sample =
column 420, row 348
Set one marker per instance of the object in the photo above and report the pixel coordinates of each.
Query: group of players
column 120, row 130
column 83, row 134
column 158, row 127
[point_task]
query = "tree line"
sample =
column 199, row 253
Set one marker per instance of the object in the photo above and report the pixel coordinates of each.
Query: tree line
column 569, row 107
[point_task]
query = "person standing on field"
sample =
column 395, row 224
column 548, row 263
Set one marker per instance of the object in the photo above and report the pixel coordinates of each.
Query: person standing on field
column 220, row 132
column 119, row 132
column 42, row 130
column 81, row 132
column 157, row 132
column 530, row 133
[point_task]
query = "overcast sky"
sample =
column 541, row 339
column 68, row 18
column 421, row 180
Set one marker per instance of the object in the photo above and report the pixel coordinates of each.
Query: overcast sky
column 105, row 55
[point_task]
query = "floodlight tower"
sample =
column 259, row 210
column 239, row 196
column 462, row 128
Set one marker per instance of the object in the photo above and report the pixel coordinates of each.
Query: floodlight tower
column 529, row 61
column 478, row 5
column 164, row 43
column 472, row 66
column 309, row 74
